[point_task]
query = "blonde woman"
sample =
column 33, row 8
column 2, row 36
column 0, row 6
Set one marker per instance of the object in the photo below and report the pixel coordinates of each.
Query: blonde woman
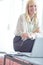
column 27, row 27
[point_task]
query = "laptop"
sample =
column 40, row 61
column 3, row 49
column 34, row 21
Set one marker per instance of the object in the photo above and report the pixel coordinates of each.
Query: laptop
column 37, row 50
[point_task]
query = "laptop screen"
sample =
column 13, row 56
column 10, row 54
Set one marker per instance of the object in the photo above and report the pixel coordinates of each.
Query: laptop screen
column 38, row 48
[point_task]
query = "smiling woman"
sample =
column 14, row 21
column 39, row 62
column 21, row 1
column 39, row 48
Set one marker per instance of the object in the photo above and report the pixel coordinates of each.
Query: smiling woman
column 26, row 29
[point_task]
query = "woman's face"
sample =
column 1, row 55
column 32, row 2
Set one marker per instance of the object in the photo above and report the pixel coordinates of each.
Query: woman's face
column 32, row 9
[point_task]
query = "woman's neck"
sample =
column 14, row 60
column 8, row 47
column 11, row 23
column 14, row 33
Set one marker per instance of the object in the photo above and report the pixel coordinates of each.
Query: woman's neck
column 31, row 17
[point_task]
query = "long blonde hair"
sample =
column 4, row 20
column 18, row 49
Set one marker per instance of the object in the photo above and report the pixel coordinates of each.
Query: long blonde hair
column 27, row 14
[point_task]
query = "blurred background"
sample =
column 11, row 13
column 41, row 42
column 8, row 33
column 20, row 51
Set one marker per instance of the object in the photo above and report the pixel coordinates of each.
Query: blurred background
column 9, row 13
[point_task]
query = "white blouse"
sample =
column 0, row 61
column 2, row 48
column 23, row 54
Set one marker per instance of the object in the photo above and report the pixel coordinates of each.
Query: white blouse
column 23, row 26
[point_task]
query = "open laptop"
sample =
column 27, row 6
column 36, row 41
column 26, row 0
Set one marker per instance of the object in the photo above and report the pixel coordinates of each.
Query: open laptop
column 37, row 50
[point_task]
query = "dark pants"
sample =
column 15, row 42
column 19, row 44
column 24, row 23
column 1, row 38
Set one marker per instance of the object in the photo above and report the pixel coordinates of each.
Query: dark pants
column 22, row 46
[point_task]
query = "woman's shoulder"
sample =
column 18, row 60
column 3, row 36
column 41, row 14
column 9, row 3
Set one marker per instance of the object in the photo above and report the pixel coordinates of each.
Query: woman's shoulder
column 21, row 18
column 22, row 15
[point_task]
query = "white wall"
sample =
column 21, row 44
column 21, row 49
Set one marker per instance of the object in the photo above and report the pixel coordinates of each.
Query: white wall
column 4, row 19
column 9, row 13
column 40, row 12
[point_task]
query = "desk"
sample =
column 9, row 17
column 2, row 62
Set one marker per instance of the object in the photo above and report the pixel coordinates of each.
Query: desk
column 17, row 60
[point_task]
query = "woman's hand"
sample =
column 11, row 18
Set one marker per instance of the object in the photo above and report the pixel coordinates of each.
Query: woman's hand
column 24, row 35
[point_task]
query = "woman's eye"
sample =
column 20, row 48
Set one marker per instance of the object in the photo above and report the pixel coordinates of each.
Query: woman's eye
column 31, row 6
column 35, row 5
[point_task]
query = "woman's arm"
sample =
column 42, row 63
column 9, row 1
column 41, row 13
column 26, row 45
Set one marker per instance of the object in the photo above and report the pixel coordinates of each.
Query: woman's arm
column 36, row 30
column 19, row 27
